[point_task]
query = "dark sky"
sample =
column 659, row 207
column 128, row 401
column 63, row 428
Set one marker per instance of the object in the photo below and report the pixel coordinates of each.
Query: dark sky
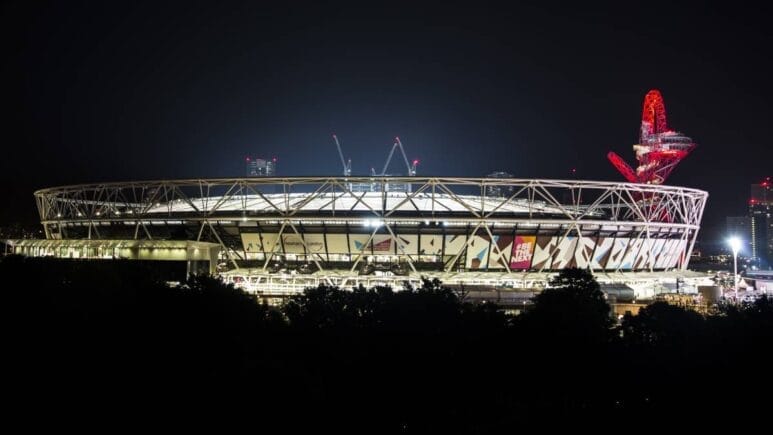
column 116, row 91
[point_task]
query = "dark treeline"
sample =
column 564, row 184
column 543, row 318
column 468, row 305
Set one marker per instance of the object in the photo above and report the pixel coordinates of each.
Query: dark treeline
column 109, row 336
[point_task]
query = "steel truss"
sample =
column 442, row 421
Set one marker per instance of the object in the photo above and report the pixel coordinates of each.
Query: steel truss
column 572, row 207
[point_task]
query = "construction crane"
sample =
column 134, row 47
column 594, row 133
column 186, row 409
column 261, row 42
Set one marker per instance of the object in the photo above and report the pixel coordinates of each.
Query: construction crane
column 347, row 164
column 410, row 167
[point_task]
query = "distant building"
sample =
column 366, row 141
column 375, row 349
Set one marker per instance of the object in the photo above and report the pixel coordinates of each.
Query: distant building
column 761, row 233
column 763, row 280
column 395, row 187
column 260, row 167
column 499, row 191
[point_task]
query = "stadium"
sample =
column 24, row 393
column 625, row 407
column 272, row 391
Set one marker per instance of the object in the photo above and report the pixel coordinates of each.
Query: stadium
column 498, row 238
column 277, row 236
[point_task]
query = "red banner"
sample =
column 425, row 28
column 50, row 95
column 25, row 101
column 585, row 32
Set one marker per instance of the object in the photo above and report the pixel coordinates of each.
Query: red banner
column 523, row 248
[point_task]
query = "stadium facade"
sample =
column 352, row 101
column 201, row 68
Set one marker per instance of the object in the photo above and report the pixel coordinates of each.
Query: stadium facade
column 322, row 230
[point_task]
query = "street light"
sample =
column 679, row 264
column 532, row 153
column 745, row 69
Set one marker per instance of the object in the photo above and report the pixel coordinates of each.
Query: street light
column 735, row 245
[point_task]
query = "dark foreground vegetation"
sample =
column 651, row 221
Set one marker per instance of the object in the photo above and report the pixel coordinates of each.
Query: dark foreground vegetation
column 107, row 340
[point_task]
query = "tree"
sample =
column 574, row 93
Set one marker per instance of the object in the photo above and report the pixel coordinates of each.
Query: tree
column 330, row 307
column 580, row 279
column 573, row 309
column 662, row 324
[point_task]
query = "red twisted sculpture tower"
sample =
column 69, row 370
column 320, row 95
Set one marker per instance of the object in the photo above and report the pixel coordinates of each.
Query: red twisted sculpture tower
column 659, row 149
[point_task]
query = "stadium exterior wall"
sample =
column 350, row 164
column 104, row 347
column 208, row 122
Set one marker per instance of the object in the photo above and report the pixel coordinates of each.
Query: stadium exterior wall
column 442, row 223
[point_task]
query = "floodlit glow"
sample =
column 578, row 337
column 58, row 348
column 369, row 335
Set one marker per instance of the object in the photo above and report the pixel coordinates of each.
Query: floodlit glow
column 373, row 223
column 735, row 244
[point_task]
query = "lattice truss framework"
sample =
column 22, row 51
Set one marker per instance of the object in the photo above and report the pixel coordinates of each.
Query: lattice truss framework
column 572, row 207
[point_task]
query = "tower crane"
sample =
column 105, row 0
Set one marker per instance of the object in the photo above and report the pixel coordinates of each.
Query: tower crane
column 347, row 164
column 410, row 167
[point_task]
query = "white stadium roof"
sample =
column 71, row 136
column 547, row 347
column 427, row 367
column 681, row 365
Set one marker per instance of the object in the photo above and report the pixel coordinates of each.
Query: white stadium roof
column 365, row 202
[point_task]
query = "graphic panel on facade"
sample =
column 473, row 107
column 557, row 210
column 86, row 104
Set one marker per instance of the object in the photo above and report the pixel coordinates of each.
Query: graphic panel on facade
column 357, row 244
column 477, row 253
column 431, row 244
column 271, row 243
column 643, row 258
column 542, row 252
column 315, row 245
column 630, row 255
column 618, row 251
column 382, row 244
column 563, row 254
column 583, row 252
column 498, row 258
column 408, row 244
column 665, row 251
column 455, row 244
column 293, row 244
column 657, row 247
column 603, row 252
column 523, row 249
column 337, row 244
column 251, row 243
column 677, row 256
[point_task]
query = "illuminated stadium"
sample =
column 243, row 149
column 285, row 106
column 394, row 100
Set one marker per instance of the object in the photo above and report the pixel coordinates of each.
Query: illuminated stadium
column 275, row 236
column 283, row 234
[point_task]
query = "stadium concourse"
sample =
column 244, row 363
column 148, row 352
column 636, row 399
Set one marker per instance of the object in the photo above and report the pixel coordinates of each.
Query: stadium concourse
column 506, row 289
column 276, row 236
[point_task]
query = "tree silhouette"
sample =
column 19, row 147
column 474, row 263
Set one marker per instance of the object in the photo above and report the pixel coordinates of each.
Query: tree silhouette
column 579, row 279
column 662, row 324
column 375, row 359
column 572, row 308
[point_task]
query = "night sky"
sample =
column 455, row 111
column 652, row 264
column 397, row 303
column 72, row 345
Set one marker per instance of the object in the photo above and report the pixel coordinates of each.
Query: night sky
column 113, row 91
